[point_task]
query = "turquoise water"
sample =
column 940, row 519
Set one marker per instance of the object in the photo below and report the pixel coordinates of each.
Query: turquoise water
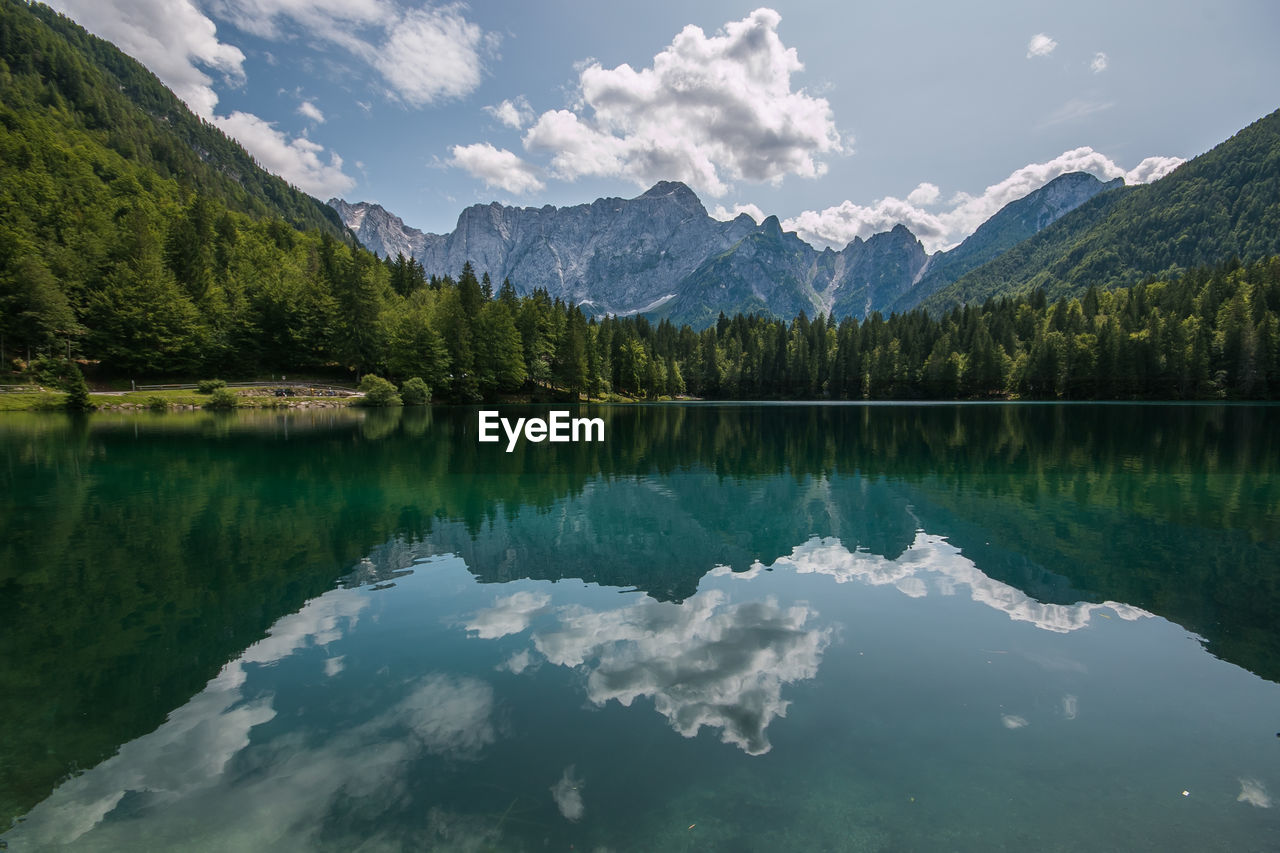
column 727, row 628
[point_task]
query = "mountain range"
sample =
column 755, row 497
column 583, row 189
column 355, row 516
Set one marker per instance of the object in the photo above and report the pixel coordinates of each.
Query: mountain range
column 663, row 255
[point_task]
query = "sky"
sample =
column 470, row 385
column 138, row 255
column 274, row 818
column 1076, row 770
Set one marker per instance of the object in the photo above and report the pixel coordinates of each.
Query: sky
column 841, row 118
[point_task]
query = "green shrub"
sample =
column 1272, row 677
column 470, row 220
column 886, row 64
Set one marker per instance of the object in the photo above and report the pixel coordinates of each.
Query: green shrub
column 208, row 386
column 77, row 391
column 222, row 398
column 415, row 392
column 379, row 392
column 157, row 404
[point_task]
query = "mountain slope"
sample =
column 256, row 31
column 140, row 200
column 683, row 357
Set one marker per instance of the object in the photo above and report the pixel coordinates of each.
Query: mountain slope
column 1012, row 224
column 135, row 235
column 85, row 84
column 1224, row 202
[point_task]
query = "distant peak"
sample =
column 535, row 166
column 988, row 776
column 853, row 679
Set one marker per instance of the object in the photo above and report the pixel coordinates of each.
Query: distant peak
column 1074, row 178
column 666, row 188
column 772, row 226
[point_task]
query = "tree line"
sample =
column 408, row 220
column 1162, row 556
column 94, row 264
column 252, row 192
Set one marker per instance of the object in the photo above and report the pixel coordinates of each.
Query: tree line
column 208, row 290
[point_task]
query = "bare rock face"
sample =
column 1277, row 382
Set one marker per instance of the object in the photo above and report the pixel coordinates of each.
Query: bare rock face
column 613, row 255
column 379, row 230
column 662, row 254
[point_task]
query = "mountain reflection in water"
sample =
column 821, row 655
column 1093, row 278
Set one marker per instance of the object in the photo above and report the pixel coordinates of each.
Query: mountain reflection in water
column 479, row 610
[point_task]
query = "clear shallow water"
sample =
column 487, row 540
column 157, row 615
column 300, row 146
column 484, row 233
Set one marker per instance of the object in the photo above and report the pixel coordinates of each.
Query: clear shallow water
column 736, row 628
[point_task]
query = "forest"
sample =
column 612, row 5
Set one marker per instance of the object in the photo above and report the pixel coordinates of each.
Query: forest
column 141, row 242
column 216, row 293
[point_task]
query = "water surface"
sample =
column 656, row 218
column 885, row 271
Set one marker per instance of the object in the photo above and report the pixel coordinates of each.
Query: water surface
column 726, row 628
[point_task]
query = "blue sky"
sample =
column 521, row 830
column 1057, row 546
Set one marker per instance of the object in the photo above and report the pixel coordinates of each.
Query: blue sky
column 841, row 118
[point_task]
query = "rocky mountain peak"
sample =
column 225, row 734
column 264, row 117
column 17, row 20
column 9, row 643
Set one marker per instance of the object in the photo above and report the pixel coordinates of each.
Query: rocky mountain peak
column 662, row 254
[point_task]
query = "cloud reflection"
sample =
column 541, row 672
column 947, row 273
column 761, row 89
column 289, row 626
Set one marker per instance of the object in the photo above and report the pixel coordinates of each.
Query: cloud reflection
column 182, row 787
column 704, row 662
column 933, row 559
column 1253, row 793
column 568, row 795
column 192, row 748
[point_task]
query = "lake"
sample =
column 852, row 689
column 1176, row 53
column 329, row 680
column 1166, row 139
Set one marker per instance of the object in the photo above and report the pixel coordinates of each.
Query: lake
column 726, row 627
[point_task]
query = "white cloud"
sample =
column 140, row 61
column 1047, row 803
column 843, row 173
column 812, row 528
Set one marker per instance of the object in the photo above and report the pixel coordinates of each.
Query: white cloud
column 838, row 225
column 425, row 55
column 1013, row 721
column 1152, row 169
column 173, row 38
column 497, row 167
column 514, row 113
column 1040, row 45
column 311, row 111
column 1099, row 63
column 298, row 160
column 431, row 55
column 924, row 194
column 725, row 214
column 707, row 111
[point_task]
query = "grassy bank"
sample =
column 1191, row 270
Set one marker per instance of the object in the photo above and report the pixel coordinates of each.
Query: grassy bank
column 174, row 400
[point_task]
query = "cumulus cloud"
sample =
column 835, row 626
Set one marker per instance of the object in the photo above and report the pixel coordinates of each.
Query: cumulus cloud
column 709, row 110
column 311, row 111
column 173, row 38
column 1152, row 169
column 704, row 662
column 424, row 55
column 497, row 167
column 514, row 113
column 297, row 160
column 1099, row 63
column 838, row 225
column 430, row 55
column 924, row 195
column 1040, row 45
column 725, row 214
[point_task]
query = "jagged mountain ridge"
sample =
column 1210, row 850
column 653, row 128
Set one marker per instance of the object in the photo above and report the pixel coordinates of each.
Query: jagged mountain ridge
column 662, row 254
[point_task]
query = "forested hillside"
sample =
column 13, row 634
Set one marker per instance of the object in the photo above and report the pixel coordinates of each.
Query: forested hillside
column 1224, row 203
column 1211, row 334
column 130, row 230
